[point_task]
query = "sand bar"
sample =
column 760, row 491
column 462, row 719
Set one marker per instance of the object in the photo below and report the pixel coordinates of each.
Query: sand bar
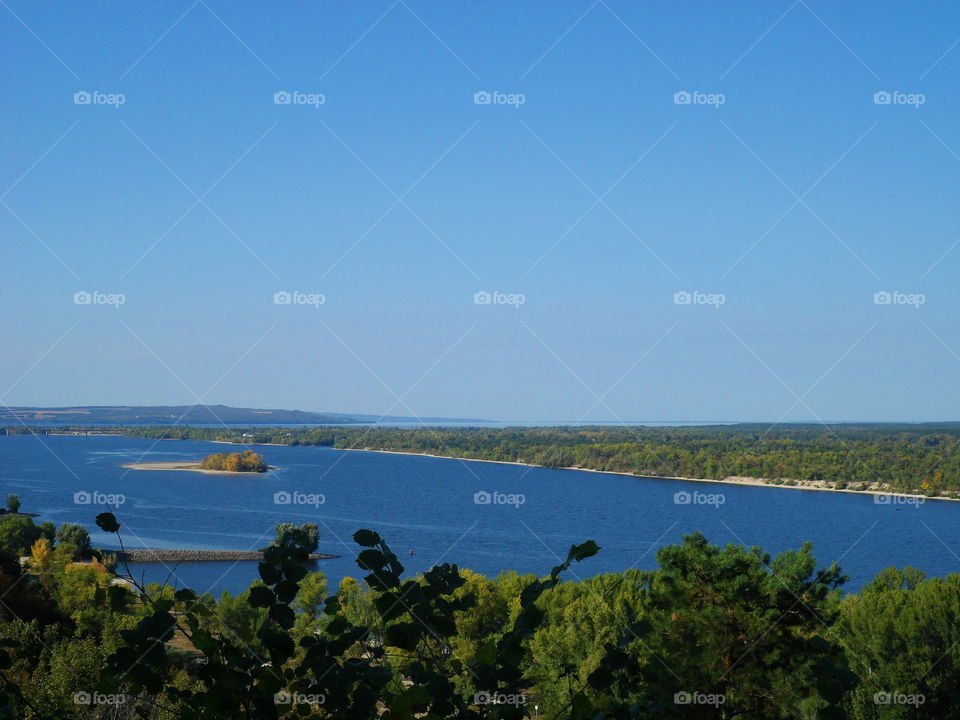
column 188, row 465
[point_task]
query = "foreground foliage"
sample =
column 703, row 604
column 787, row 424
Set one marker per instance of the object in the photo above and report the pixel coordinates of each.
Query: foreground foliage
column 725, row 632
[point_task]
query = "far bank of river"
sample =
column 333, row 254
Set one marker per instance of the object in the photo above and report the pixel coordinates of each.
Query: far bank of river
column 876, row 489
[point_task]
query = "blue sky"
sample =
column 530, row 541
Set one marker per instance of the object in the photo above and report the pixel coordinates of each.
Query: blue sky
column 791, row 200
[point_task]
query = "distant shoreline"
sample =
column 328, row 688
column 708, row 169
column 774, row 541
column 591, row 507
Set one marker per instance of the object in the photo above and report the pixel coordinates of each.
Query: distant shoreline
column 187, row 466
column 815, row 485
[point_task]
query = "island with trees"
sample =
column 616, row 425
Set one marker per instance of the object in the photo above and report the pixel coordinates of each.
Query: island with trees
column 225, row 463
column 246, row 461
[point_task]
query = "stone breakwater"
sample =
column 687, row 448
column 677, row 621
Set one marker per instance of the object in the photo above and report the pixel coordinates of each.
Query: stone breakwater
column 162, row 555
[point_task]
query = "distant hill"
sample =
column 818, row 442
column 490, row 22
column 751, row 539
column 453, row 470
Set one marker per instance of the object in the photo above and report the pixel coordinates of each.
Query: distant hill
column 187, row 415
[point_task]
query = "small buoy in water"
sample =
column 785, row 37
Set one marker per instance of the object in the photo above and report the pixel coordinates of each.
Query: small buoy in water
column 411, row 551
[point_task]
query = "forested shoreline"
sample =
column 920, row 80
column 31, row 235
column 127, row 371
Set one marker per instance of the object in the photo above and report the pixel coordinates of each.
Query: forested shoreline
column 921, row 459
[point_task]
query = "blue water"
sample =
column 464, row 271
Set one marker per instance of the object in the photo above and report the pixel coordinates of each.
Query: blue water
column 427, row 505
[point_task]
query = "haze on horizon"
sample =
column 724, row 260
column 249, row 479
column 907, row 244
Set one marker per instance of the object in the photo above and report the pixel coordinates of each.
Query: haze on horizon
column 589, row 212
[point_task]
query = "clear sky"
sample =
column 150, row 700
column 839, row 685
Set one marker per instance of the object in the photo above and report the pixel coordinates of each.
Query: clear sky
column 785, row 194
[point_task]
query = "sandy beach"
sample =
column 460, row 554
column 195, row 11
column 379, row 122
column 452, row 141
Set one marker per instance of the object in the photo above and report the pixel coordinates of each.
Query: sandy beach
column 784, row 483
column 183, row 465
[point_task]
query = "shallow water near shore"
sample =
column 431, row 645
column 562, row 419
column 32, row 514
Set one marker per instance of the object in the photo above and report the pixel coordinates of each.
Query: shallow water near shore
column 486, row 516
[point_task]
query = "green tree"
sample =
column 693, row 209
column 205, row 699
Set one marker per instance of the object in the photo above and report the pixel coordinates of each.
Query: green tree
column 77, row 536
column 306, row 536
column 49, row 531
column 903, row 639
column 18, row 533
column 13, row 503
column 734, row 633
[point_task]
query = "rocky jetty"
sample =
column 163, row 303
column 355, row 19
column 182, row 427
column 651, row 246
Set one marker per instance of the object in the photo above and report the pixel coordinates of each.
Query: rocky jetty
column 164, row 555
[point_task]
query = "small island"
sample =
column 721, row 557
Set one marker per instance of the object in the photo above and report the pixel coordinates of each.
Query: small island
column 226, row 463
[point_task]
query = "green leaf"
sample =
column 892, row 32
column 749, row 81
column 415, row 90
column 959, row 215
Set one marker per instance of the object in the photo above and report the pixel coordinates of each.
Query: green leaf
column 270, row 574
column 402, row 635
column 261, row 596
column 286, row 591
column 382, row 581
column 367, row 538
column 185, row 595
column 294, row 571
column 583, row 551
column 283, row 615
column 108, row 522
column 371, row 559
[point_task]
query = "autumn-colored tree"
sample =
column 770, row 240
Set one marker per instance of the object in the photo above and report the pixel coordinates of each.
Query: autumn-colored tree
column 41, row 555
column 231, row 463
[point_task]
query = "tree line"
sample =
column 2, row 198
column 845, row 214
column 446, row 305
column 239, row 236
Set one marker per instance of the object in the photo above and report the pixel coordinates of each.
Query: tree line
column 919, row 458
